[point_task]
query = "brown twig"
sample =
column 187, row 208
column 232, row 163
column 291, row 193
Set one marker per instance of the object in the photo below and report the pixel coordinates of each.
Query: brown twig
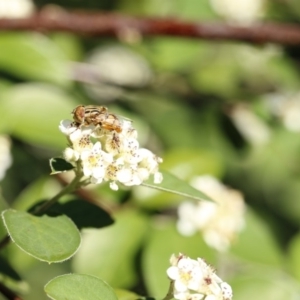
column 107, row 24
column 8, row 293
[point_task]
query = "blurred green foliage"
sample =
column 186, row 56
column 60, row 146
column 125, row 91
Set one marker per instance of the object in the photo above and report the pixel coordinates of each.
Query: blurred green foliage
column 185, row 113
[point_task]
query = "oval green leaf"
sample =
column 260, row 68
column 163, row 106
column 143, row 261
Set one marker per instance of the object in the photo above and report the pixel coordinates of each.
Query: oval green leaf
column 293, row 257
column 109, row 253
column 257, row 232
column 79, row 287
column 126, row 295
column 33, row 113
column 33, row 56
column 50, row 239
column 84, row 214
column 173, row 184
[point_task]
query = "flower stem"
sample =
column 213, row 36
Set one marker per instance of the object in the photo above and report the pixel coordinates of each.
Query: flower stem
column 169, row 295
column 71, row 187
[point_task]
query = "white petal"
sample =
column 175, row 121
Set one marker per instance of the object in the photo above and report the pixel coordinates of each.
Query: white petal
column 212, row 297
column 87, row 171
column 143, row 174
column 180, row 286
column 98, row 172
column 124, row 175
column 181, row 295
column 226, row 290
column 95, row 180
column 70, row 155
column 65, row 126
column 113, row 186
column 173, row 273
column 158, row 177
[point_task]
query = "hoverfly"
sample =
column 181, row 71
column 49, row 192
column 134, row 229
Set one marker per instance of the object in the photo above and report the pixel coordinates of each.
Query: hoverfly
column 97, row 116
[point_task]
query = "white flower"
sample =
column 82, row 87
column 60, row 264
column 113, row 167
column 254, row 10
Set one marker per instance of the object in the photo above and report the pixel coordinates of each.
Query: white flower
column 219, row 222
column 109, row 155
column 71, row 155
column 93, row 163
column 186, row 275
column 131, row 176
column 195, row 279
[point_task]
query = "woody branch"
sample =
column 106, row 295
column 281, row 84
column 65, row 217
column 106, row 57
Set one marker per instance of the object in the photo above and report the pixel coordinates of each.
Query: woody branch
column 107, row 24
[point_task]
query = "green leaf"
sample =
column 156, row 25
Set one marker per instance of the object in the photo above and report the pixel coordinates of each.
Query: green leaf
column 167, row 51
column 50, row 239
column 294, row 258
column 32, row 112
column 174, row 185
column 261, row 284
column 126, row 295
column 84, row 214
column 79, row 287
column 69, row 44
column 59, row 165
column 109, row 253
column 221, row 76
column 186, row 163
column 33, row 56
column 257, row 232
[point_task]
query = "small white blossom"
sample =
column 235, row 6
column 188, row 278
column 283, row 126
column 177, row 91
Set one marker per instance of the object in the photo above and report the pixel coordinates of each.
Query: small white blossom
column 186, row 275
column 71, row 155
column 195, row 279
column 219, row 222
column 109, row 155
column 93, row 163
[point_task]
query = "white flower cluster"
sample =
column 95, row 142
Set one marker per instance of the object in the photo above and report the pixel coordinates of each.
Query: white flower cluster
column 107, row 155
column 195, row 280
column 219, row 222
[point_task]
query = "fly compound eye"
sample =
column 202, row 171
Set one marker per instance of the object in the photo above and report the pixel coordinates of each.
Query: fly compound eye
column 79, row 114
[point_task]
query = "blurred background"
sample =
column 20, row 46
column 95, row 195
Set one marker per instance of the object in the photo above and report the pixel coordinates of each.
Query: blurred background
column 224, row 116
